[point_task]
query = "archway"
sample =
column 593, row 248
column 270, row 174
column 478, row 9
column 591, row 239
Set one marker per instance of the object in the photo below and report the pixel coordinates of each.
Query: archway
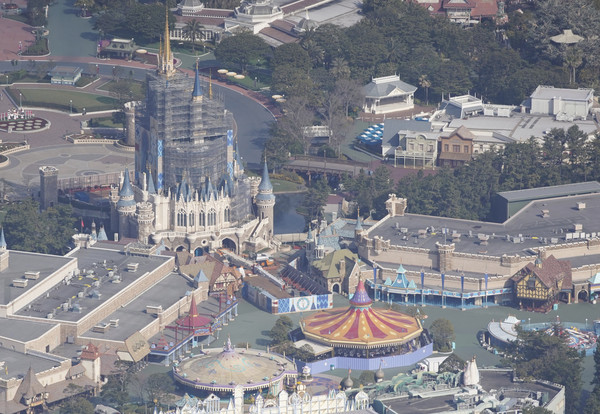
column 200, row 251
column 229, row 244
column 582, row 296
column 335, row 288
column 180, row 249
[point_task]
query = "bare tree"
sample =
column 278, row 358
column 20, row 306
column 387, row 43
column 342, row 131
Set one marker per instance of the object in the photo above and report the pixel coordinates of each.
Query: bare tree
column 298, row 115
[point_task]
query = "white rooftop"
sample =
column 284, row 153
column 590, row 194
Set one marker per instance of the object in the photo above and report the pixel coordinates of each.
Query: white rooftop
column 550, row 92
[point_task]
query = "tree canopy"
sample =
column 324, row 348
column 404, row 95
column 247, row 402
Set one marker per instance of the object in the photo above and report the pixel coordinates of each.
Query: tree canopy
column 28, row 229
column 537, row 355
column 442, row 333
column 239, row 50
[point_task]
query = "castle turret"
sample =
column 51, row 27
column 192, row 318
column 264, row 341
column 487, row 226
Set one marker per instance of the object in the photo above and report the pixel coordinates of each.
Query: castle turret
column 197, row 93
column 125, row 206
column 48, row 187
column 265, row 201
column 145, row 217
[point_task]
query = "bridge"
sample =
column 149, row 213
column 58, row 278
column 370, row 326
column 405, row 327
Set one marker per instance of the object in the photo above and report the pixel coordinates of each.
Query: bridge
column 317, row 165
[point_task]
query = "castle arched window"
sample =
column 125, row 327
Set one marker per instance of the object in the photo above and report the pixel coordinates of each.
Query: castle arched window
column 202, row 219
column 227, row 215
column 191, row 218
column 212, row 217
column 181, row 218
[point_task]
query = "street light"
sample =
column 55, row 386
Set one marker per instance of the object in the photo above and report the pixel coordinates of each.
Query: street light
column 70, row 106
column 20, row 100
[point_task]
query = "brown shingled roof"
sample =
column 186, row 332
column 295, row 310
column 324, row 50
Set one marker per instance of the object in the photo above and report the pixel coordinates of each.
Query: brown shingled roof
column 549, row 273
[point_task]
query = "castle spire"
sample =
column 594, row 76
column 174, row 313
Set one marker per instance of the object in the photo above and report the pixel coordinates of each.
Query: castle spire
column 166, row 58
column 197, row 93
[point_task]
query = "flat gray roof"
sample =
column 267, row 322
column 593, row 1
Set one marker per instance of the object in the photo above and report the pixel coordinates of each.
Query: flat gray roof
column 552, row 191
column 18, row 363
column 133, row 317
column 23, row 331
column 520, row 127
column 21, row 262
column 95, row 265
column 528, row 226
column 549, row 92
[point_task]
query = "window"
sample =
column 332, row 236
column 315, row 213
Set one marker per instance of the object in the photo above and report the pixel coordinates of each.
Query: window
column 421, row 147
column 531, row 284
column 181, row 218
column 227, row 215
column 466, row 149
column 202, row 219
column 455, row 148
column 430, row 148
column 191, row 219
column 411, row 146
column 446, row 147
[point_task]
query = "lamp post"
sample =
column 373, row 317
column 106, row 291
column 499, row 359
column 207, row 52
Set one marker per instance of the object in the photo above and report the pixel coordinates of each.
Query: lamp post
column 20, row 100
column 70, row 106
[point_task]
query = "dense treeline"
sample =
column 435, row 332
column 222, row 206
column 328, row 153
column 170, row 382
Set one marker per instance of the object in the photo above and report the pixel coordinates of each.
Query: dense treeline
column 466, row 192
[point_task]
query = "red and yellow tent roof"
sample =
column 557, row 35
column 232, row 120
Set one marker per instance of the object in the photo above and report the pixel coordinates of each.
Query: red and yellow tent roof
column 360, row 325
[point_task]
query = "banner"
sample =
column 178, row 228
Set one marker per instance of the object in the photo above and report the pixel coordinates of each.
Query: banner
column 462, row 283
column 443, row 280
column 486, row 281
column 422, row 280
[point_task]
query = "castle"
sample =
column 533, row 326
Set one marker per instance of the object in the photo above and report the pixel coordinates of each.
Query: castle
column 188, row 190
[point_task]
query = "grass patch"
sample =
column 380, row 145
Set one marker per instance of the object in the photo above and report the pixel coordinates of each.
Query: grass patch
column 39, row 48
column 58, row 99
column 138, row 90
column 283, row 186
column 84, row 80
column 103, row 122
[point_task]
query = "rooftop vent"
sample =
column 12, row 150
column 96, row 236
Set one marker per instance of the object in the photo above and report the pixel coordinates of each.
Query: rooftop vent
column 545, row 213
column 581, row 205
column 32, row 275
column 577, row 227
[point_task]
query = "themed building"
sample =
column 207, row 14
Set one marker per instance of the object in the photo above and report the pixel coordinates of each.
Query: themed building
column 541, row 284
column 363, row 332
column 189, row 190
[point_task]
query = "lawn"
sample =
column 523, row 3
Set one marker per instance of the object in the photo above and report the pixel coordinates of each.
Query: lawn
column 59, row 99
column 137, row 89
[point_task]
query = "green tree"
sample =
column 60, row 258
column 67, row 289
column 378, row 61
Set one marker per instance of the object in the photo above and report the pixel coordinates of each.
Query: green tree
column 28, row 229
column 366, row 378
column 78, row 405
column 536, row 355
column 159, row 386
column 279, row 332
column 193, row 30
column 239, row 50
column 453, row 363
column 442, row 332
column 315, row 199
column 291, row 54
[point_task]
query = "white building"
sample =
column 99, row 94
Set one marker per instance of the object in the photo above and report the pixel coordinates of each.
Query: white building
column 388, row 94
column 564, row 104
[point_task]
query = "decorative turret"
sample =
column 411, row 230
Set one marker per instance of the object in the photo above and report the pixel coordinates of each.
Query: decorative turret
column 125, row 206
column 347, row 382
column 379, row 374
column 102, row 234
column 151, row 188
column 361, row 298
column 94, row 234
column 197, row 93
column 265, row 200
column 2, row 241
column 471, row 373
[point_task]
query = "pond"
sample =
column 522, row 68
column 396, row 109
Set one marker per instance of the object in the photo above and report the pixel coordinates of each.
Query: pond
column 287, row 220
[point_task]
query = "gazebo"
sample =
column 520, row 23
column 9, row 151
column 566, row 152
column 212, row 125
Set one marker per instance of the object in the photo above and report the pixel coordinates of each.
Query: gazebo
column 363, row 331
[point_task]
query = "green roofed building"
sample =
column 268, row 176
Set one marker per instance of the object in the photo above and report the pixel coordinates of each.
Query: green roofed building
column 338, row 271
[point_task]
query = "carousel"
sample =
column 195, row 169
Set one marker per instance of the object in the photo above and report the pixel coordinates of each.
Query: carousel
column 221, row 370
column 363, row 331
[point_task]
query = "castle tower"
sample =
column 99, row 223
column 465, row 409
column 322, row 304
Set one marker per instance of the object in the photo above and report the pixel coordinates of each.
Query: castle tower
column 145, row 217
column 197, row 93
column 265, row 200
column 3, row 252
column 125, row 206
column 48, row 187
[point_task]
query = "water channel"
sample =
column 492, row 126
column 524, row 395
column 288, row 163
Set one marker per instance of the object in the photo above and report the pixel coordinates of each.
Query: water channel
column 287, row 220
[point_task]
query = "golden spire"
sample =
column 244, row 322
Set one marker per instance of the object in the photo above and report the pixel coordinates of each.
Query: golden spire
column 166, row 57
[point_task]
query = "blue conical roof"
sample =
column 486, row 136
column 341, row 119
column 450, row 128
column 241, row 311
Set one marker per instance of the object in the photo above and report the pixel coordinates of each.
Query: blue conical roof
column 265, row 182
column 358, row 223
column 126, row 190
column 151, row 188
column 2, row 239
column 197, row 85
column 102, row 234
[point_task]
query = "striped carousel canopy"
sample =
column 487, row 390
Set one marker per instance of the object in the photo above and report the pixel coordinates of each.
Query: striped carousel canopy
column 361, row 325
